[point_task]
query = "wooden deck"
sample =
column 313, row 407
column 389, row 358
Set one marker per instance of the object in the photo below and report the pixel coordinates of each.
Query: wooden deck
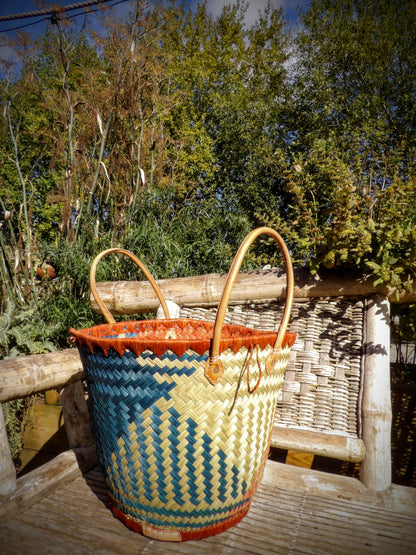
column 293, row 512
column 57, row 508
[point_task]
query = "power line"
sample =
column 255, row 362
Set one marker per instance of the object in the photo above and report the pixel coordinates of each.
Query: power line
column 23, row 26
column 51, row 11
column 54, row 13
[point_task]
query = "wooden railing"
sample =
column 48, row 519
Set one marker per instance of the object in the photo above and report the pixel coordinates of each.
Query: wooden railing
column 132, row 297
column 24, row 376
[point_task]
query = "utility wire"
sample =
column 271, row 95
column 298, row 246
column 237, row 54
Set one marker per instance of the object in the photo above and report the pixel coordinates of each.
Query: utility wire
column 23, row 26
column 54, row 13
column 51, row 11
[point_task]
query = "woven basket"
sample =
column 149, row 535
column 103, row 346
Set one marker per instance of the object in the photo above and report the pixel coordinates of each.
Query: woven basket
column 182, row 411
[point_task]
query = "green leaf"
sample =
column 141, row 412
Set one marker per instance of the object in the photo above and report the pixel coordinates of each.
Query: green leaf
column 373, row 265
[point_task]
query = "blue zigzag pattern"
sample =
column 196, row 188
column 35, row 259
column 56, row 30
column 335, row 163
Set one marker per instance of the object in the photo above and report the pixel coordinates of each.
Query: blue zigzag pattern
column 120, row 391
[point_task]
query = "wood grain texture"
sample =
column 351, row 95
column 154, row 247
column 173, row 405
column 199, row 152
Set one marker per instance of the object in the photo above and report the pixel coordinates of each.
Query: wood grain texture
column 38, row 483
column 7, row 471
column 76, row 415
column 23, row 376
column 282, row 520
column 129, row 297
column 319, row 443
column 375, row 470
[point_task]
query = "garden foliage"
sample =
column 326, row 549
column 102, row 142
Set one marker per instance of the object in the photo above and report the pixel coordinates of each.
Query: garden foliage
column 173, row 132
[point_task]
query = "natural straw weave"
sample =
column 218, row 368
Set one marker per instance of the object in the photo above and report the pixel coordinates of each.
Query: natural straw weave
column 183, row 451
column 321, row 387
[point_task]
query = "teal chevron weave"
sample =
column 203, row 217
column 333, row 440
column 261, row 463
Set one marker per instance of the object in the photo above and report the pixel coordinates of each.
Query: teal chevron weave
column 173, row 456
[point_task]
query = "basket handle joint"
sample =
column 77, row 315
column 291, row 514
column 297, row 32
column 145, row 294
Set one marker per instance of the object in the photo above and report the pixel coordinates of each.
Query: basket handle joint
column 213, row 370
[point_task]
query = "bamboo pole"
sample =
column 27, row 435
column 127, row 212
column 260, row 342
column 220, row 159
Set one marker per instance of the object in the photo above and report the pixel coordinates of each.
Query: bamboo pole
column 23, row 376
column 331, row 445
column 375, row 470
column 130, row 297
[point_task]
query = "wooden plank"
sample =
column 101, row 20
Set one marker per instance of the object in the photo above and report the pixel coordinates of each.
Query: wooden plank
column 333, row 445
column 304, row 460
column 334, row 486
column 43, row 421
column 22, row 537
column 379, row 527
column 129, row 297
column 36, row 484
column 44, row 435
column 76, row 519
column 23, row 376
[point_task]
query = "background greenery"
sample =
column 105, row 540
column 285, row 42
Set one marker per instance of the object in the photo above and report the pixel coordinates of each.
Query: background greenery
column 172, row 133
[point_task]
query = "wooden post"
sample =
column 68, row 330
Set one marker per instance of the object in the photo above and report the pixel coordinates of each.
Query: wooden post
column 7, row 470
column 375, row 470
column 76, row 415
column 77, row 424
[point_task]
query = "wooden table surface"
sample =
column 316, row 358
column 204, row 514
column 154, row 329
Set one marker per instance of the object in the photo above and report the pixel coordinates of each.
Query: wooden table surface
column 294, row 511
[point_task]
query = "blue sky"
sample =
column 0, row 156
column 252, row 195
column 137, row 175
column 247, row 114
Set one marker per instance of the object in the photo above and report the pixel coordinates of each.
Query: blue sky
column 36, row 24
column 8, row 7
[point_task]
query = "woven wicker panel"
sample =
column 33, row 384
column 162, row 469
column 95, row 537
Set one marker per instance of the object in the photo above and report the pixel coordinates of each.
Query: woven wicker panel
column 321, row 388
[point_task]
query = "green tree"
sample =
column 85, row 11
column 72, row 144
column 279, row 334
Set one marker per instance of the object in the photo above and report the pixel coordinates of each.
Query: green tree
column 235, row 78
column 350, row 164
column 169, row 115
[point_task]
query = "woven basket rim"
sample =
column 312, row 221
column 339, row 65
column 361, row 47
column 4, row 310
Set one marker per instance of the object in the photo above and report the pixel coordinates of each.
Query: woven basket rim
column 112, row 336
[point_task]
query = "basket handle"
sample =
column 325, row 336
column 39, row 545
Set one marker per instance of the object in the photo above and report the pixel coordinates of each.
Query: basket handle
column 139, row 263
column 214, row 369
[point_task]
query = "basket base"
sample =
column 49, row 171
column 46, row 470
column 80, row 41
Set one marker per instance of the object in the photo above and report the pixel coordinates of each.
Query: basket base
column 178, row 535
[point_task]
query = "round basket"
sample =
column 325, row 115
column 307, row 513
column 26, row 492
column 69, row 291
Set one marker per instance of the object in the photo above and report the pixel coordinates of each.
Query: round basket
column 182, row 411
